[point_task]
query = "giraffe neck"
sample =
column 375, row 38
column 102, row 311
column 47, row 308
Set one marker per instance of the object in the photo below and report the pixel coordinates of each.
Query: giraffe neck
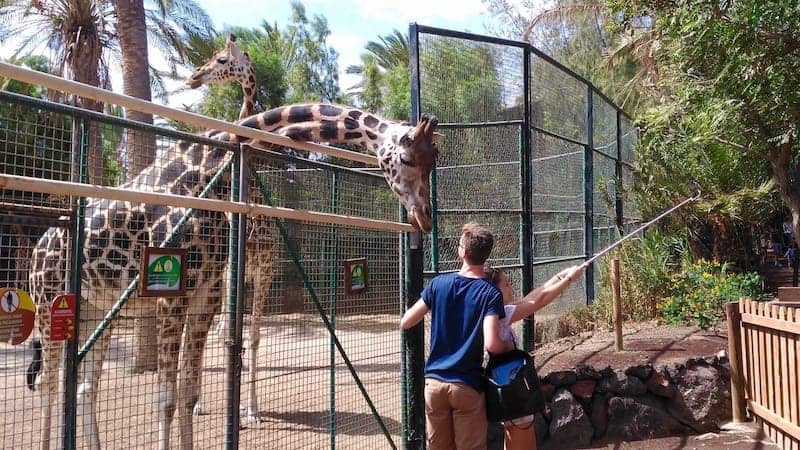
column 249, row 93
column 330, row 123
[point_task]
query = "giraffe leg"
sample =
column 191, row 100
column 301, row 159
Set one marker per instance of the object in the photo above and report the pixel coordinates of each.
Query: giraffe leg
column 170, row 319
column 261, row 284
column 48, row 377
column 89, row 373
column 198, row 322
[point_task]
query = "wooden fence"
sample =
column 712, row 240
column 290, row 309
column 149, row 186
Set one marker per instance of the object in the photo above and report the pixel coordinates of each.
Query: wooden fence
column 765, row 345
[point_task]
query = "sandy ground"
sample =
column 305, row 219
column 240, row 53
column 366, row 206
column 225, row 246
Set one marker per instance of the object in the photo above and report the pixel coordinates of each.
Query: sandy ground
column 294, row 391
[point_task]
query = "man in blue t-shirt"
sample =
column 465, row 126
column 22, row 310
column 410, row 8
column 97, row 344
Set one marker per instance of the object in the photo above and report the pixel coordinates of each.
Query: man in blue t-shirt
column 465, row 319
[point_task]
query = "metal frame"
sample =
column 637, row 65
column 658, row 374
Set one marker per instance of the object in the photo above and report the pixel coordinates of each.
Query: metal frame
column 528, row 262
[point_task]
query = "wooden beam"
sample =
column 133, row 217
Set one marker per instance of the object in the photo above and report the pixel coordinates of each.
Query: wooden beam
column 29, row 184
column 102, row 95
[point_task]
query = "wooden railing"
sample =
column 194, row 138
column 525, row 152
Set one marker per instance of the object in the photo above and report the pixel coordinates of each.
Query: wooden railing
column 764, row 342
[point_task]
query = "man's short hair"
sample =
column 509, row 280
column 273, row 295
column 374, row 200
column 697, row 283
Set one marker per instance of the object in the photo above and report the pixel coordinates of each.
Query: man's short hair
column 477, row 241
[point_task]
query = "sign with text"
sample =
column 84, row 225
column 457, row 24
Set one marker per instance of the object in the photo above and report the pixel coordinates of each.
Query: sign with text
column 62, row 317
column 163, row 272
column 17, row 313
column 355, row 276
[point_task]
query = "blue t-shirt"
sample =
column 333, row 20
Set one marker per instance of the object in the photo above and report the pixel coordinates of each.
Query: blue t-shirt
column 458, row 305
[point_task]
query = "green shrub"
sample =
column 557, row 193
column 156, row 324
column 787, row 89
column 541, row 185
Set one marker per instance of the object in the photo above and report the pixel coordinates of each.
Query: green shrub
column 646, row 267
column 699, row 292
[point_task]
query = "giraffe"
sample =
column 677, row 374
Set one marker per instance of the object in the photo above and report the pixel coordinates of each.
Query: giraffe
column 116, row 231
column 232, row 64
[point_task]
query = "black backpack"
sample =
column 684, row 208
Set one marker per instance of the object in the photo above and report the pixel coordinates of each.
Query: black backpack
column 512, row 386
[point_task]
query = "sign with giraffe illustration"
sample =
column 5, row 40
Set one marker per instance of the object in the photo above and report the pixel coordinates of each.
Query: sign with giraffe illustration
column 62, row 317
column 17, row 313
column 163, row 272
column 355, row 276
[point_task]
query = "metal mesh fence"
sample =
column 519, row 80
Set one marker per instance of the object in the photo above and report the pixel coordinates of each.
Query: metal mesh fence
column 297, row 389
column 509, row 110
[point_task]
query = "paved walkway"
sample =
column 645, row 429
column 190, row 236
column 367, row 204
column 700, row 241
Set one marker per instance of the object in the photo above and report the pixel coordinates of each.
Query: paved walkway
column 743, row 436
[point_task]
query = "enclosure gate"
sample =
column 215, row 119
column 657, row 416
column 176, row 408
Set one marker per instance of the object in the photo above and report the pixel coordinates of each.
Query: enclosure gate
column 770, row 347
column 532, row 149
column 327, row 370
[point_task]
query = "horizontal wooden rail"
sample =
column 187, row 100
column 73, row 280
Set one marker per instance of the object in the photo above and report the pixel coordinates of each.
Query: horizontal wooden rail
column 785, row 425
column 772, row 323
column 102, row 95
column 28, row 184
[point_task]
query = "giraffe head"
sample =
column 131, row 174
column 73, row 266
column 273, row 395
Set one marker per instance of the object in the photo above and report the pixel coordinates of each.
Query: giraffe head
column 406, row 163
column 228, row 64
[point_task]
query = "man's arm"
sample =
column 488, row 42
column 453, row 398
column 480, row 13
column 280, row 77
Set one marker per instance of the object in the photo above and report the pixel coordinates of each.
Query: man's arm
column 414, row 315
column 491, row 336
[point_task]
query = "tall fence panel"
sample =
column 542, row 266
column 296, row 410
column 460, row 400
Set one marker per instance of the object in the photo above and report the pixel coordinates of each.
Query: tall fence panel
column 531, row 149
column 311, row 365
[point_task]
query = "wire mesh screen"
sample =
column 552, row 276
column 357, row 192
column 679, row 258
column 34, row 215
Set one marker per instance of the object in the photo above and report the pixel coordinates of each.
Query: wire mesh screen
column 307, row 396
column 477, row 85
column 297, row 391
column 476, row 91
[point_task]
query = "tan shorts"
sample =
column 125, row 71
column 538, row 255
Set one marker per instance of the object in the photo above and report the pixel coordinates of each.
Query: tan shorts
column 455, row 415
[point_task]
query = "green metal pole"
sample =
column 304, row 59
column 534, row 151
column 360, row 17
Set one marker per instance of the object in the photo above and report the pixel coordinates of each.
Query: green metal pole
column 414, row 261
column 588, row 194
column 526, row 217
column 333, row 267
column 237, row 255
column 71, row 359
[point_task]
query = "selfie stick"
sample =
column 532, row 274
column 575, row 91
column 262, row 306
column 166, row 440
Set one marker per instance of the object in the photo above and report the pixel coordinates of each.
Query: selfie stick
column 693, row 187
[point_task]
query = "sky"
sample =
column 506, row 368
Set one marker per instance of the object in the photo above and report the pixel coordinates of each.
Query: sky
column 352, row 23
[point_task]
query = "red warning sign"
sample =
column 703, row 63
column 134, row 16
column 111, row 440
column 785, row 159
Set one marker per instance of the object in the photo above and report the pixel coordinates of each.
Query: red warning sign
column 62, row 317
column 17, row 314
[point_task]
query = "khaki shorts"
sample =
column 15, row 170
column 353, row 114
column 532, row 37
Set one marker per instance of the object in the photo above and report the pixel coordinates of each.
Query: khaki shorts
column 455, row 415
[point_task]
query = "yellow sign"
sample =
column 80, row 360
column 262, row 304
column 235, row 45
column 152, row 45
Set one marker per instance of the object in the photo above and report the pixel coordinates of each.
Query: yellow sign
column 17, row 314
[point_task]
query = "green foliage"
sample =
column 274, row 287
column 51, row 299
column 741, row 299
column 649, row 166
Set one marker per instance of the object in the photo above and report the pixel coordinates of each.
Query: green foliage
column 292, row 64
column 701, row 289
column 727, row 77
column 646, row 267
column 385, row 85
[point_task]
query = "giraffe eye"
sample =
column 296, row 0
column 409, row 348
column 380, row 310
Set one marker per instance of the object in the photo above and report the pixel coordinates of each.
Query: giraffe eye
column 222, row 60
column 405, row 161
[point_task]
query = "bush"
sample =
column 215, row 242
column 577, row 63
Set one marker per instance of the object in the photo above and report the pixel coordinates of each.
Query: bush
column 646, row 266
column 701, row 289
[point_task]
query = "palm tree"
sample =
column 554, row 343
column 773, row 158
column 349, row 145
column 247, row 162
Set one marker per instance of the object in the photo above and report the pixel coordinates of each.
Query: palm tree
column 388, row 55
column 170, row 24
column 83, row 35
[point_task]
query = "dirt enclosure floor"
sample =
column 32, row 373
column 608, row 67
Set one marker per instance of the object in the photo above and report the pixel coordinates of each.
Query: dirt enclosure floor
column 643, row 343
column 296, row 390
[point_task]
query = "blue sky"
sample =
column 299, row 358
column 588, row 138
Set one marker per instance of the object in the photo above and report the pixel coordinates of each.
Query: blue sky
column 353, row 23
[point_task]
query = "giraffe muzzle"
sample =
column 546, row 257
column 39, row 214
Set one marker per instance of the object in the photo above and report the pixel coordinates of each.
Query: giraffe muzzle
column 422, row 222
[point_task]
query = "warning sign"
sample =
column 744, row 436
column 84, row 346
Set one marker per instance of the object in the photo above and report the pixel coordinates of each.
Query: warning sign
column 17, row 314
column 355, row 276
column 62, row 317
column 163, row 272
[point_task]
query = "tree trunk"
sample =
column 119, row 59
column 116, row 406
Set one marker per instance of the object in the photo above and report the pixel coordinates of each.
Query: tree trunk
column 780, row 162
column 132, row 31
column 83, row 59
